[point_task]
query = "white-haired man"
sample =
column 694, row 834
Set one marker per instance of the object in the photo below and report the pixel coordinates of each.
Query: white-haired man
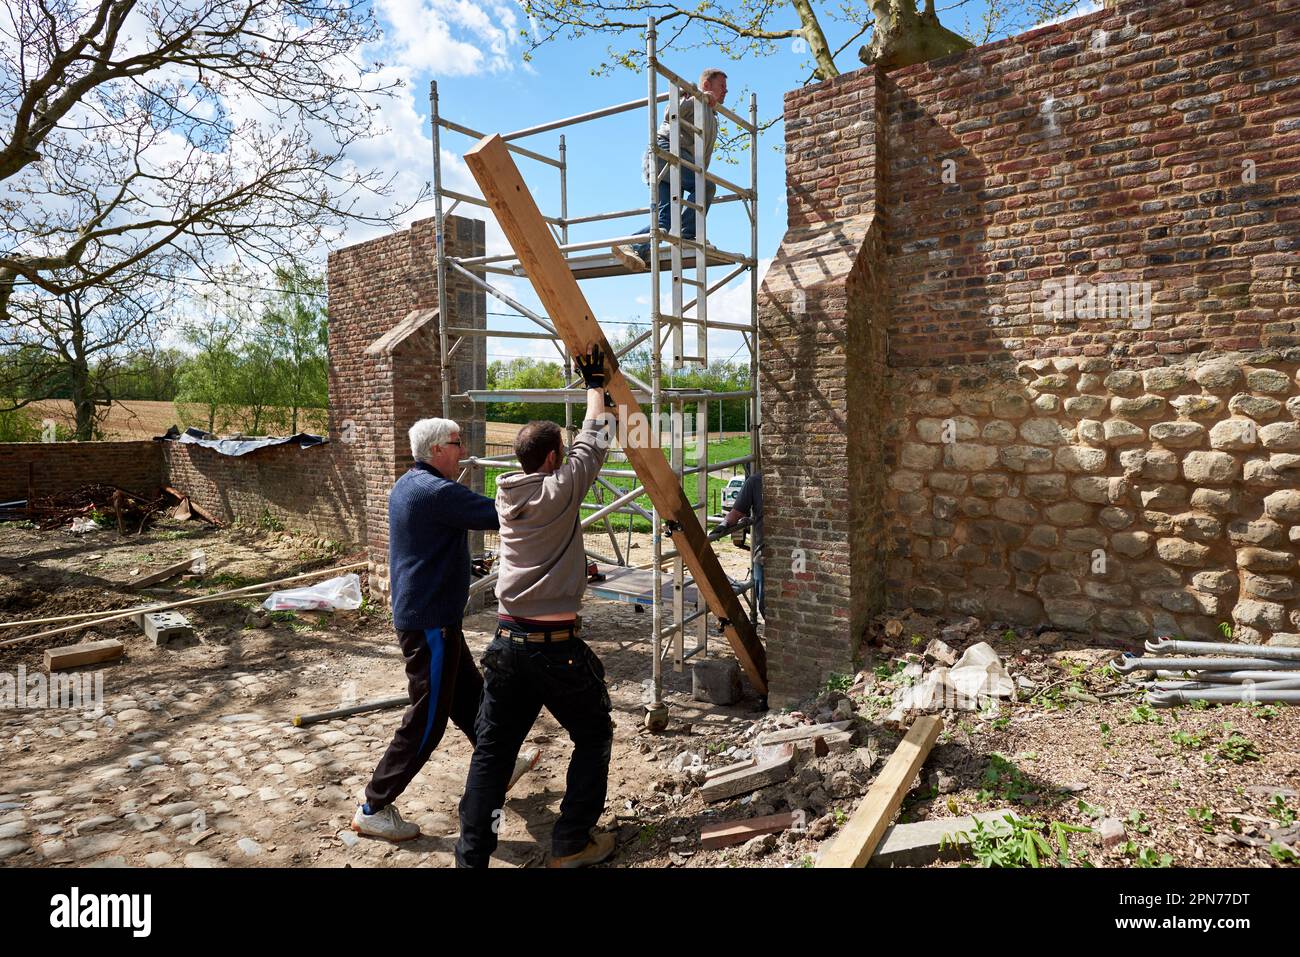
column 713, row 84
column 430, row 516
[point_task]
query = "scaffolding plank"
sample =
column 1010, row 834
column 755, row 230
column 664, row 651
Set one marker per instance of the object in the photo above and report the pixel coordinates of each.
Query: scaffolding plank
column 516, row 211
column 600, row 265
column 636, row 586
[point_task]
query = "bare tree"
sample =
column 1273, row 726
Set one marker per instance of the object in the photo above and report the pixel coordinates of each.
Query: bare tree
column 79, row 342
column 751, row 29
column 175, row 135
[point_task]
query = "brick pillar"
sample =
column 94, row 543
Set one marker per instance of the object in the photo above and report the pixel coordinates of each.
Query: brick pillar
column 402, row 380
column 385, row 370
column 822, row 331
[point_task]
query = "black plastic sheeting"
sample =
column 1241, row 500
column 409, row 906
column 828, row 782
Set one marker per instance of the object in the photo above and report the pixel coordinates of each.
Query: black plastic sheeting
column 237, row 446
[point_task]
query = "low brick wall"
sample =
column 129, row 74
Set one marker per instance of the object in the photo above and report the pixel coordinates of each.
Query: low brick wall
column 310, row 490
column 61, row 466
column 1101, row 499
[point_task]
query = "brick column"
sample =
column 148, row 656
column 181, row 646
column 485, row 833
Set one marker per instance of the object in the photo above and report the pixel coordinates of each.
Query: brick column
column 385, row 370
column 822, row 331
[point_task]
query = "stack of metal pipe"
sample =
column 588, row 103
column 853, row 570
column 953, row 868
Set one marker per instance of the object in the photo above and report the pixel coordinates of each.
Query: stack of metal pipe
column 1217, row 672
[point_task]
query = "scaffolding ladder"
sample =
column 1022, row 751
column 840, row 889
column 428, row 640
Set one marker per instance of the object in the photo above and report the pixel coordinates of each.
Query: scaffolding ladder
column 687, row 262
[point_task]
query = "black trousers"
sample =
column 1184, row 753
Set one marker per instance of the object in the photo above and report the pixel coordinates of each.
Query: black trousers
column 443, row 683
column 519, row 679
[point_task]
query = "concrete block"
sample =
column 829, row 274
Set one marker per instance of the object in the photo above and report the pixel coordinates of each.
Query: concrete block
column 164, row 626
column 716, row 681
column 915, row 845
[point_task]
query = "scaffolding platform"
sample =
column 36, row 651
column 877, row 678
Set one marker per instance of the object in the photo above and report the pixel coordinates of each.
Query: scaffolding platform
column 636, row 586
column 600, row 266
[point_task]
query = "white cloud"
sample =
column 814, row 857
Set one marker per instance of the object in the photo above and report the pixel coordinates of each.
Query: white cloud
column 449, row 37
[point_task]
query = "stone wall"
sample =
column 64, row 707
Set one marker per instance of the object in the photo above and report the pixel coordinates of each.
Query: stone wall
column 1147, row 152
column 1119, row 502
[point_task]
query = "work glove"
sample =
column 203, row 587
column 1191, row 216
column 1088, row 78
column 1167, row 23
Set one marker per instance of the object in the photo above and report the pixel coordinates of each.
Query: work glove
column 592, row 368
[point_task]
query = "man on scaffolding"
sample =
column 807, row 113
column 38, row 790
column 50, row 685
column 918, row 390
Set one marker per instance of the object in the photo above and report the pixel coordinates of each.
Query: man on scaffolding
column 713, row 82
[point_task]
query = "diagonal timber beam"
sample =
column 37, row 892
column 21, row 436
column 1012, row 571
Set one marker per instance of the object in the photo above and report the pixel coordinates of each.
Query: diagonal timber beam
column 506, row 194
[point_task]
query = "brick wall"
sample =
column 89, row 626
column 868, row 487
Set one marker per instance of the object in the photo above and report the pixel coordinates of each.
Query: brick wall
column 1152, row 146
column 374, row 286
column 308, row 491
column 60, row 466
column 822, row 339
column 1112, row 147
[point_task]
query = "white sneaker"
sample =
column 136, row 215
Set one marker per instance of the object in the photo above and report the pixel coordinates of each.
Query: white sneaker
column 526, row 761
column 385, row 823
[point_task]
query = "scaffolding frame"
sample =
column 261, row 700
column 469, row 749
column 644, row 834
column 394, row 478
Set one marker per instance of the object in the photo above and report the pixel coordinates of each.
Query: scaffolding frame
column 681, row 257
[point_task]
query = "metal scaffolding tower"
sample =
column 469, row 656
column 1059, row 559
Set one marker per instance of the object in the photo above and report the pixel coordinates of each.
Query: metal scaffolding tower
column 686, row 262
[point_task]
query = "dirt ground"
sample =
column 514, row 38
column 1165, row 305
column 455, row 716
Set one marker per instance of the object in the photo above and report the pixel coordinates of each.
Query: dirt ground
column 194, row 760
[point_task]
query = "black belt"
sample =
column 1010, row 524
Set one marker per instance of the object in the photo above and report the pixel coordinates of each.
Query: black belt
column 556, row 634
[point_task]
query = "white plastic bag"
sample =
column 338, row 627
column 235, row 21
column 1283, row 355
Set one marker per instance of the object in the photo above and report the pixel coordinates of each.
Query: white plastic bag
column 335, row 594
column 80, row 526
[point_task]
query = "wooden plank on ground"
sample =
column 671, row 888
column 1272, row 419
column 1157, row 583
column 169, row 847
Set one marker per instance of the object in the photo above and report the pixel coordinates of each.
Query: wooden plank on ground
column 804, row 731
column 772, row 771
column 87, row 653
column 857, row 841
column 162, row 574
column 508, row 196
column 727, row 833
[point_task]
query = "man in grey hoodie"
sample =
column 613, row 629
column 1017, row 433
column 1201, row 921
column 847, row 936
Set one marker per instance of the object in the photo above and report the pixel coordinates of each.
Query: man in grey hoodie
column 537, row 658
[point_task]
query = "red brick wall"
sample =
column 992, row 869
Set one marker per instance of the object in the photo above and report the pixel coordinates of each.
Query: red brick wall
column 308, row 491
column 372, row 287
column 60, row 466
column 1110, row 147
column 822, row 340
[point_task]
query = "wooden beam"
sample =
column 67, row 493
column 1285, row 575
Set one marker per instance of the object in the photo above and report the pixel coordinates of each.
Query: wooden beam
column 727, row 833
column 171, row 571
column 508, row 196
column 87, row 653
column 856, row 843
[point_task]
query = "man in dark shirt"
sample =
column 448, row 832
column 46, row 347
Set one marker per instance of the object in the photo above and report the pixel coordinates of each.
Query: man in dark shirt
column 430, row 516
column 749, row 504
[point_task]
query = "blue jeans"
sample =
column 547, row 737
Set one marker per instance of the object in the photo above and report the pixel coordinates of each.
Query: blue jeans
column 519, row 680
column 665, row 204
column 758, row 588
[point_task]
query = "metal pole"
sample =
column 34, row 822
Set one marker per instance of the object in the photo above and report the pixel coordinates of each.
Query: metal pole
column 755, row 421
column 656, row 610
column 440, row 252
column 702, row 489
column 678, row 626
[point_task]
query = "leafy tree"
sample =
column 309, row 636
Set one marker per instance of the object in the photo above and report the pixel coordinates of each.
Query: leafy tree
column 75, row 346
column 296, row 323
column 748, row 32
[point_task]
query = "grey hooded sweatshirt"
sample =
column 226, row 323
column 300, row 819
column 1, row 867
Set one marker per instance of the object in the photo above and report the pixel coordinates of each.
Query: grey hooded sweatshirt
column 542, row 564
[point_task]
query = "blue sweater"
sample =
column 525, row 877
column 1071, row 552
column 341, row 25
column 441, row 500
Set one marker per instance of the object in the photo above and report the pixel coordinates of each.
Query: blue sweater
column 429, row 519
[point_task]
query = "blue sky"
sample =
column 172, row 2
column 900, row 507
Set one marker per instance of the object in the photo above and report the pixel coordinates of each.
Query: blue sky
column 474, row 52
